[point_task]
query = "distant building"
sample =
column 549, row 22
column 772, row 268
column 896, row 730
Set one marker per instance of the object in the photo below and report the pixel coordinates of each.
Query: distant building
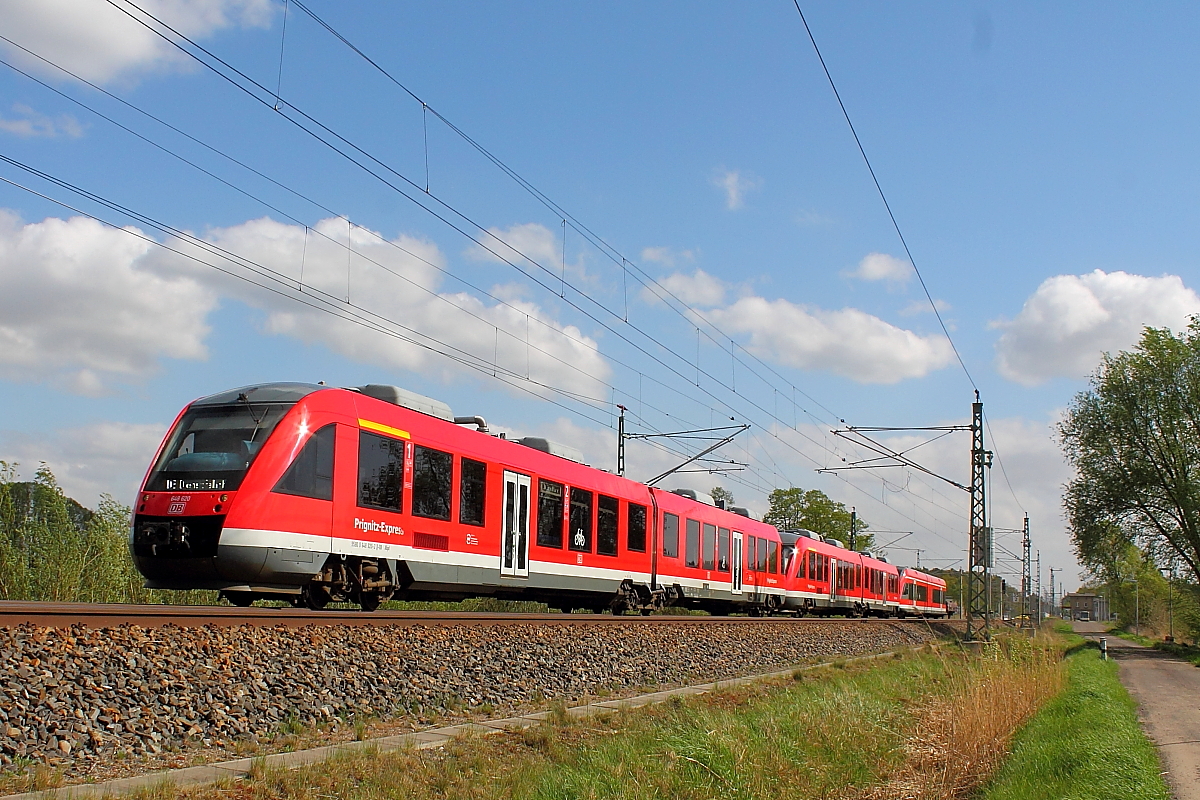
column 1085, row 607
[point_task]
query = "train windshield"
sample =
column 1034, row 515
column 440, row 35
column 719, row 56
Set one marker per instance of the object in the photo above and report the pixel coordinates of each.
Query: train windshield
column 212, row 447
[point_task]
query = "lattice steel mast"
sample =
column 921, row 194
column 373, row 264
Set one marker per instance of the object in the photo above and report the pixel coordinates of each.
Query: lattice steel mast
column 979, row 553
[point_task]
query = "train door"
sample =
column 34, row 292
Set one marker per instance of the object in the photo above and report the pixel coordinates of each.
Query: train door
column 736, row 563
column 833, row 578
column 514, row 545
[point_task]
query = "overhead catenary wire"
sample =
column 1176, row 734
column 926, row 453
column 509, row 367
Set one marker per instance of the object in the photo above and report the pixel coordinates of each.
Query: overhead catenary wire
column 882, row 196
column 319, row 136
column 774, row 415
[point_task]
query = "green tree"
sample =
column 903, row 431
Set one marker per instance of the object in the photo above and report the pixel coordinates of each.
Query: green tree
column 720, row 493
column 794, row 508
column 1134, row 439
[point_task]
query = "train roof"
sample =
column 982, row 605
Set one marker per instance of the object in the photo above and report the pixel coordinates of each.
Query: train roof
column 283, row 392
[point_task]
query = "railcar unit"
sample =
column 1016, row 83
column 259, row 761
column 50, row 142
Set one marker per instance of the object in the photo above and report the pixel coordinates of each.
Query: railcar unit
column 315, row 494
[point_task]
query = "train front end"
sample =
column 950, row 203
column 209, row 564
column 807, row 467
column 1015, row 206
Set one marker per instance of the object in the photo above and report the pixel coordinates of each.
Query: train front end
column 198, row 479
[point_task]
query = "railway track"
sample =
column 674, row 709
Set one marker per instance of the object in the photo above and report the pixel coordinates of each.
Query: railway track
column 104, row 615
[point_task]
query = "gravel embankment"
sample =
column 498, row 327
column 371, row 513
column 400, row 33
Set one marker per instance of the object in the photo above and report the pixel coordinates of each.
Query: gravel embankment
column 76, row 698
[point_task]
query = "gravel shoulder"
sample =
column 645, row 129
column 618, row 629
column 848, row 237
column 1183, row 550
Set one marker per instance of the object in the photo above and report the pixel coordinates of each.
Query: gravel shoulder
column 1167, row 691
column 87, row 704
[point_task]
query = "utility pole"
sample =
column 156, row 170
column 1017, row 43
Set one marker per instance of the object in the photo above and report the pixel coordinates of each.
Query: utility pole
column 621, row 441
column 1026, row 584
column 854, row 531
column 979, row 553
column 1052, row 571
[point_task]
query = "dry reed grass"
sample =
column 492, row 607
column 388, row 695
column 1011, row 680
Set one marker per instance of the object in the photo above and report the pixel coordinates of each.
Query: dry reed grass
column 961, row 737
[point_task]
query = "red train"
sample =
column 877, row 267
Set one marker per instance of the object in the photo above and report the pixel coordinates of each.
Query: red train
column 316, row 494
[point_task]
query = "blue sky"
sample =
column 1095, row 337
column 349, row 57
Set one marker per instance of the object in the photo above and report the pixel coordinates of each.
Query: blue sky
column 1040, row 160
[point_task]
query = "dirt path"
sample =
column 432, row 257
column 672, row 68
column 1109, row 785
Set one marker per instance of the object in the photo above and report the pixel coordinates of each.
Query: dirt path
column 1167, row 691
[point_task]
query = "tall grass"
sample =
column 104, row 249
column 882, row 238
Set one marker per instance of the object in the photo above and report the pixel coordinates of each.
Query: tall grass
column 52, row 549
column 962, row 736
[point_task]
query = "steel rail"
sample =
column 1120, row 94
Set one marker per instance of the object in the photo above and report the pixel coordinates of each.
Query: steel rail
column 106, row 615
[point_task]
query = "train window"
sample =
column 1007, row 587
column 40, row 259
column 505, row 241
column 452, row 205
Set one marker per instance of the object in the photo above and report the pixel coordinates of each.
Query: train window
column 472, row 482
column 812, row 566
column 723, row 549
column 550, row 514
column 708, row 547
column 581, row 520
column 635, row 531
column 922, row 594
column 773, row 557
column 751, row 553
column 311, row 474
column 762, row 555
column 380, row 472
column 432, row 470
column 607, row 510
column 670, row 536
column 692, row 544
column 939, row 596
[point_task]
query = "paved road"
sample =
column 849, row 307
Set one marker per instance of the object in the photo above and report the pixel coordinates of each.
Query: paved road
column 1167, row 691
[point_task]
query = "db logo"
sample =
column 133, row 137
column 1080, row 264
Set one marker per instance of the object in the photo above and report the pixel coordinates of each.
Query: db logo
column 176, row 508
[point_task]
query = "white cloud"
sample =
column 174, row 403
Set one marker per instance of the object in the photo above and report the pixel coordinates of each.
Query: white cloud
column 736, row 186
column 847, row 342
column 667, row 256
column 531, row 239
column 399, row 281
column 101, row 458
column 922, row 307
column 697, row 289
column 29, row 123
column 882, row 267
column 1070, row 320
column 78, row 306
column 100, row 43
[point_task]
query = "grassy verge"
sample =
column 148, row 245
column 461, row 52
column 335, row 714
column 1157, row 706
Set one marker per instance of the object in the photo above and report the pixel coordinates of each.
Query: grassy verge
column 1086, row 743
column 854, row 730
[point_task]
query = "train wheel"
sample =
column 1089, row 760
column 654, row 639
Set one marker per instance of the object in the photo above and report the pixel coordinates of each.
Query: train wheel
column 314, row 597
column 369, row 601
column 239, row 599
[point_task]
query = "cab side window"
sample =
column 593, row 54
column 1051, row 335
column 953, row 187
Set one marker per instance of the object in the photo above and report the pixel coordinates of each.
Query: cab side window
column 670, row 535
column 550, row 514
column 471, row 494
column 432, row 473
column 311, row 474
column 380, row 472
column 581, row 520
column 635, row 532
column 607, row 510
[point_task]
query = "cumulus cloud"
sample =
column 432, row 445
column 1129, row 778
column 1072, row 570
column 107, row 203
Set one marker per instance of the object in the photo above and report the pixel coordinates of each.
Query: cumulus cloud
column 29, row 124
column 78, row 305
column 531, row 239
column 882, row 267
column 697, row 289
column 100, row 43
column 101, row 458
column 1070, row 320
column 847, row 342
column 667, row 256
column 736, row 186
column 396, row 281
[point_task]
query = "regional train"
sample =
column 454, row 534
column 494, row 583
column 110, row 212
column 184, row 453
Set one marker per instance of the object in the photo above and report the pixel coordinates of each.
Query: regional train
column 315, row 494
